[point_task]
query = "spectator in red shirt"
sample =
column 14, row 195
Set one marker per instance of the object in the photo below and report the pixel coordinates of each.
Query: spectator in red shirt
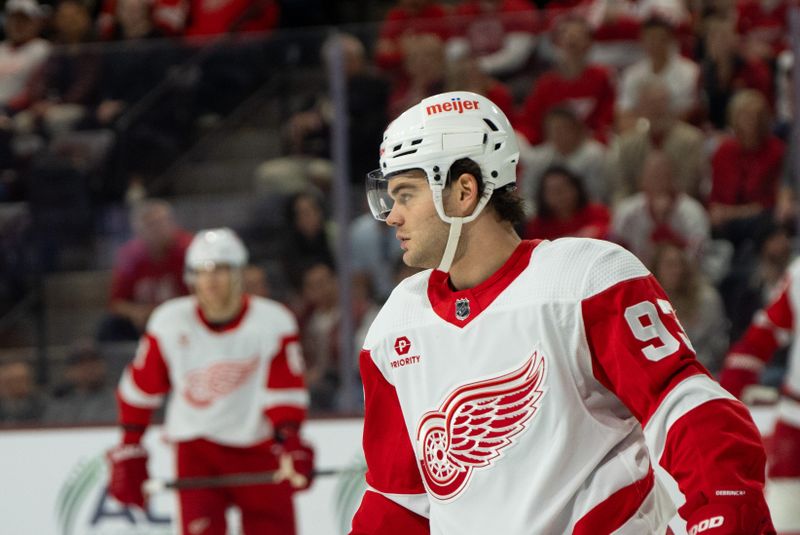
column 403, row 24
column 197, row 18
column 563, row 209
column 587, row 89
column 148, row 271
column 746, row 170
column 499, row 33
column 725, row 70
column 764, row 25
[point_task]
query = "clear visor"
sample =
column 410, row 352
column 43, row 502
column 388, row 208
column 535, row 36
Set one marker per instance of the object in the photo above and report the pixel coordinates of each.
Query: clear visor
column 380, row 203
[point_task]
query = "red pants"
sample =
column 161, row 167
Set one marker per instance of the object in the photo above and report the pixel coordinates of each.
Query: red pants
column 265, row 509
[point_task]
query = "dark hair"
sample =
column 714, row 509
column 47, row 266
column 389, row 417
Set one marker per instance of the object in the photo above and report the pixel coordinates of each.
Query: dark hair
column 505, row 201
column 542, row 209
column 658, row 21
column 289, row 207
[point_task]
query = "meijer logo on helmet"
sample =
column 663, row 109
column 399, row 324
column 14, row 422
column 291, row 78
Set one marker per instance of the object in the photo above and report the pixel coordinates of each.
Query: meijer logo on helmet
column 455, row 104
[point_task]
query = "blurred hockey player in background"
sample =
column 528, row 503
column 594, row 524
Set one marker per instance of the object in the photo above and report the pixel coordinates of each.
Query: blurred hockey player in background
column 772, row 328
column 519, row 387
column 235, row 369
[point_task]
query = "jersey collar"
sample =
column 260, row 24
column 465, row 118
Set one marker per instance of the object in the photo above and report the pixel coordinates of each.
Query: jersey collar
column 227, row 326
column 460, row 307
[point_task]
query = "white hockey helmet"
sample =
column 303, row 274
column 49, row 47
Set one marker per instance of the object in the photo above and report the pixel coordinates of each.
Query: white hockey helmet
column 211, row 247
column 433, row 134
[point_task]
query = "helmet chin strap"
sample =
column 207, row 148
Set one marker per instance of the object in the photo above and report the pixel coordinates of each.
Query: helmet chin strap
column 452, row 244
column 456, row 224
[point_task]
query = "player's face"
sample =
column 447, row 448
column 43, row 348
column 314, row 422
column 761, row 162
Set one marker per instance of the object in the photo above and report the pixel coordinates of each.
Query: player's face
column 422, row 234
column 216, row 289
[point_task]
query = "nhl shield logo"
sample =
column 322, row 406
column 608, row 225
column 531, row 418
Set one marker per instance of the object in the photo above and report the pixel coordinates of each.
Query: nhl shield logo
column 462, row 309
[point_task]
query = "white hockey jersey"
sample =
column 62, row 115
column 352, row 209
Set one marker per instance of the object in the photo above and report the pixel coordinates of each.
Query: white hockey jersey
column 229, row 385
column 537, row 403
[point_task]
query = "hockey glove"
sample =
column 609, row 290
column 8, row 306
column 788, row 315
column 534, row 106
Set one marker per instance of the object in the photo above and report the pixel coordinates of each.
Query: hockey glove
column 295, row 456
column 128, row 473
column 734, row 517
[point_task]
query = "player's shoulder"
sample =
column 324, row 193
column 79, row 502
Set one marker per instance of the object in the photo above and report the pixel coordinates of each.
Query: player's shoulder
column 582, row 267
column 275, row 312
column 404, row 306
column 171, row 312
column 794, row 269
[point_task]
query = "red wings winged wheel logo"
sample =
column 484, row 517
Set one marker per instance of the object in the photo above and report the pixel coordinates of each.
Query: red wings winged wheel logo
column 474, row 424
column 205, row 385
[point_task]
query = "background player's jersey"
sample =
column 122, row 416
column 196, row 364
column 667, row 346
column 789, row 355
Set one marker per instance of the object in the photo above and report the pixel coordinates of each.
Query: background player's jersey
column 537, row 401
column 771, row 328
column 223, row 381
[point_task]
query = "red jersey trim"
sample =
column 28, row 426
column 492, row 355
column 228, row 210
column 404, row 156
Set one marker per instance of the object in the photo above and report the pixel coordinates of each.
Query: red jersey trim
column 229, row 326
column 444, row 300
column 378, row 514
column 392, row 465
column 610, row 514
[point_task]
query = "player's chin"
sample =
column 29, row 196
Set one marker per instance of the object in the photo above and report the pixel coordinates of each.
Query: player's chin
column 415, row 260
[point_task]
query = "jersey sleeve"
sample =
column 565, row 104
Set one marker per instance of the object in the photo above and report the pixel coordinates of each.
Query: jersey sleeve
column 395, row 502
column 770, row 329
column 141, row 389
column 694, row 429
column 287, row 397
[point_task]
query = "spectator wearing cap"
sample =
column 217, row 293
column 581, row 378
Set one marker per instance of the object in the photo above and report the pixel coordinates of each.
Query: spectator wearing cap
column 21, row 53
column 662, row 60
column 148, row 271
column 85, row 397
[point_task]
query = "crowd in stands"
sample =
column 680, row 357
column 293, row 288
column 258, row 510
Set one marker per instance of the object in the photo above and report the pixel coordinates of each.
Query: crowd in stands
column 662, row 125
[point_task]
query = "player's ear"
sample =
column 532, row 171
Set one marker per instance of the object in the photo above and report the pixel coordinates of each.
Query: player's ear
column 465, row 193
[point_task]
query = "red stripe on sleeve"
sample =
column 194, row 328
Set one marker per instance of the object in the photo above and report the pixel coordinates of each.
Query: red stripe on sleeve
column 149, row 374
column 610, row 514
column 713, row 450
column 286, row 367
column 148, row 369
column 762, row 339
column 380, row 515
column 639, row 350
column 392, row 465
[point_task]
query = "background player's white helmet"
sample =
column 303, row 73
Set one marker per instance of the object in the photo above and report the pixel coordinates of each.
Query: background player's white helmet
column 433, row 134
column 219, row 246
column 436, row 132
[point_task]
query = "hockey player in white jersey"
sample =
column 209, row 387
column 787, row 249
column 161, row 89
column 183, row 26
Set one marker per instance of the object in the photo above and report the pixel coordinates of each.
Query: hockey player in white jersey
column 530, row 387
column 235, row 369
column 771, row 328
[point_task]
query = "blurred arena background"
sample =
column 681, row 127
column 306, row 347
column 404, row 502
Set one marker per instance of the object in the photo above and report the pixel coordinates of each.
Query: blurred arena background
column 127, row 124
